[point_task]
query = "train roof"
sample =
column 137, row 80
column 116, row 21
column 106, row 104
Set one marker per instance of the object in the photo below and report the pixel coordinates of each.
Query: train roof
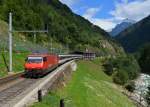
column 41, row 55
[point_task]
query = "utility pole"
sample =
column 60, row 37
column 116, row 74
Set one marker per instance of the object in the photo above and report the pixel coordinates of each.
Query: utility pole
column 34, row 38
column 51, row 46
column 11, row 31
column 10, row 42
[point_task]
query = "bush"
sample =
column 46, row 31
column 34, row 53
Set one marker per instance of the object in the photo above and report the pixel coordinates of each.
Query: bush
column 144, row 58
column 129, row 64
column 123, row 68
column 108, row 68
column 130, row 86
column 120, row 77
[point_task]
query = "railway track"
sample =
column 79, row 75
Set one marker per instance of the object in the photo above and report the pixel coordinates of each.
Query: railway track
column 13, row 86
column 10, row 78
column 9, row 93
column 14, row 79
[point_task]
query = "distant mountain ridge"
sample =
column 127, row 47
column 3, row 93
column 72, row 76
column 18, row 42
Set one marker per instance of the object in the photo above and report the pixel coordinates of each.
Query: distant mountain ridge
column 121, row 27
column 136, row 35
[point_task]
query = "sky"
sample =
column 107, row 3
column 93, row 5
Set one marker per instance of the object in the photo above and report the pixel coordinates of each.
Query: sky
column 107, row 13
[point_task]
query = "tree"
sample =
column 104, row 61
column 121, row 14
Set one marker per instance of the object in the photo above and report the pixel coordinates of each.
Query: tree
column 130, row 86
column 108, row 68
column 61, row 21
column 144, row 59
column 120, row 77
column 123, row 68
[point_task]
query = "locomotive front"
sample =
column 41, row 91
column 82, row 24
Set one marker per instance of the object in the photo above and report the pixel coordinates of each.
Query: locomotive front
column 34, row 63
column 40, row 64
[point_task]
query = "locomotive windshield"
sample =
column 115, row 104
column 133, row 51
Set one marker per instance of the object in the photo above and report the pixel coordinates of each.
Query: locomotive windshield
column 34, row 59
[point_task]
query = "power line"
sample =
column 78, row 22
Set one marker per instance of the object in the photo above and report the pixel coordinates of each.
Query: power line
column 15, row 31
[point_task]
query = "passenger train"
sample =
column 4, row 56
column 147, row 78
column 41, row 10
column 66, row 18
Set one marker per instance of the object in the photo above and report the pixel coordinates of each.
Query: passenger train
column 37, row 65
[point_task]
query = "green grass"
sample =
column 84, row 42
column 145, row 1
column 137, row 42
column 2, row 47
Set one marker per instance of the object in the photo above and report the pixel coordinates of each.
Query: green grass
column 89, row 87
column 18, row 63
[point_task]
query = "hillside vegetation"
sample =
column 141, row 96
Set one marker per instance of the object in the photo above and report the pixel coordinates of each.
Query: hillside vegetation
column 67, row 31
column 18, row 63
column 143, row 56
column 123, row 69
column 65, row 27
column 135, row 36
column 89, row 87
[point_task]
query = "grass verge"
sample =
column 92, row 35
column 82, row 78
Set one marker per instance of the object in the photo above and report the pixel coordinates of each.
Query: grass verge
column 89, row 87
column 18, row 63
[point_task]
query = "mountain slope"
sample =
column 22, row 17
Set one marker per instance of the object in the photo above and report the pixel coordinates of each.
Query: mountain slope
column 121, row 27
column 64, row 26
column 135, row 36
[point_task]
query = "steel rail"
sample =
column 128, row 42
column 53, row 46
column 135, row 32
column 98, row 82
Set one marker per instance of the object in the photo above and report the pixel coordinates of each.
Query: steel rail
column 10, row 78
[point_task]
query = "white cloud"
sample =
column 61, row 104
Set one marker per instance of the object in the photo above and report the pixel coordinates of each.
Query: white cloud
column 124, row 1
column 135, row 10
column 69, row 2
column 91, row 12
column 106, row 24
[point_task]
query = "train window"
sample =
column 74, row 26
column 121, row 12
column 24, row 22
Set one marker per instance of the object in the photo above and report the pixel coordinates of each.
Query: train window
column 44, row 59
column 34, row 59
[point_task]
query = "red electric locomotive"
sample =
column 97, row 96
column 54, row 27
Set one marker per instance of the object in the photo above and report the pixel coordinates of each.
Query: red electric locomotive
column 40, row 64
